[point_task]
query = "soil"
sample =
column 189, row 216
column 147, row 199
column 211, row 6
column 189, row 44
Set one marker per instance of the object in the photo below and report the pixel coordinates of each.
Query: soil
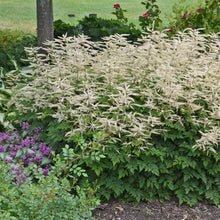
column 168, row 210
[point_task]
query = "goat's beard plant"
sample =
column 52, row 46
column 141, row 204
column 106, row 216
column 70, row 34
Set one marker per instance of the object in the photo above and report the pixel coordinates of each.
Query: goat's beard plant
column 25, row 150
column 155, row 102
column 127, row 90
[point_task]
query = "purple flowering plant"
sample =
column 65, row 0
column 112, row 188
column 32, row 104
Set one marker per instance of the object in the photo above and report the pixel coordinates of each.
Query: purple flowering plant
column 25, row 150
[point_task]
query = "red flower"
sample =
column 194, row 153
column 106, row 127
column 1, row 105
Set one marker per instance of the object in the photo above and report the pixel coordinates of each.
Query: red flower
column 191, row 27
column 200, row 10
column 184, row 16
column 171, row 29
column 145, row 15
column 116, row 6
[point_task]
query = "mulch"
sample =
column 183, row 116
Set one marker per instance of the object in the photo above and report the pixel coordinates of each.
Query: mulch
column 170, row 210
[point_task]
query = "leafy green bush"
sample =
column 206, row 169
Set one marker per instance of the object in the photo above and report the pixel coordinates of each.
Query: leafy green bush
column 96, row 28
column 206, row 15
column 61, row 28
column 45, row 197
column 156, row 104
column 4, row 91
column 7, row 81
column 12, row 49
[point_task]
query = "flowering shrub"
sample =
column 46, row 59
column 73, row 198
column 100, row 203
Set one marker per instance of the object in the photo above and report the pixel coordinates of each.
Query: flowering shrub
column 119, row 12
column 158, row 103
column 150, row 19
column 23, row 150
column 205, row 16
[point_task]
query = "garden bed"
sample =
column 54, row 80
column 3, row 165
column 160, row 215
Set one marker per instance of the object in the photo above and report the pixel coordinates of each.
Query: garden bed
column 116, row 210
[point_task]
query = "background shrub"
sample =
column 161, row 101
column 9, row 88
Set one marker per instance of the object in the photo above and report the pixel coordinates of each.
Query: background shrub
column 204, row 15
column 96, row 28
column 12, row 53
column 150, row 19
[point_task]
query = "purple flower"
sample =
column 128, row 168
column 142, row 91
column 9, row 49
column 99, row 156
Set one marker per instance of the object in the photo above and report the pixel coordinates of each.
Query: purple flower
column 8, row 160
column 18, row 182
column 37, row 157
column 11, row 147
column 25, row 126
column 32, row 148
column 25, row 143
column 17, row 147
column 2, row 148
column 13, row 154
column 38, row 130
column 4, row 137
column 45, row 171
column 12, row 142
column 26, row 162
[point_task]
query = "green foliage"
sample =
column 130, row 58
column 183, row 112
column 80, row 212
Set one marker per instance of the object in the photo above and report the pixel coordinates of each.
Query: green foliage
column 119, row 13
column 203, row 15
column 61, row 28
column 150, row 19
column 96, row 28
column 167, row 169
column 7, row 81
column 12, row 49
column 154, row 118
column 45, row 197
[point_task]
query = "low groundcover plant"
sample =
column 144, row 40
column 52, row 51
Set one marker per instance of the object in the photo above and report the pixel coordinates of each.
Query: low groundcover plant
column 45, row 197
column 23, row 150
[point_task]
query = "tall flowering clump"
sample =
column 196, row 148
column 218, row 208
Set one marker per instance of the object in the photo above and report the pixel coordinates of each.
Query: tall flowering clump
column 152, row 110
column 130, row 92
column 24, row 150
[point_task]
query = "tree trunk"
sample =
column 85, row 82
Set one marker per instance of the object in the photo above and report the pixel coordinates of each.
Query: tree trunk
column 44, row 21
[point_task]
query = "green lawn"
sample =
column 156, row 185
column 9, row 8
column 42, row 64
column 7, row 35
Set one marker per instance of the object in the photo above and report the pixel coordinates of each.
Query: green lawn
column 21, row 14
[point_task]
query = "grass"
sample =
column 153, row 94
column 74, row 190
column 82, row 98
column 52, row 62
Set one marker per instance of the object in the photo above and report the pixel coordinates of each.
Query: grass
column 21, row 14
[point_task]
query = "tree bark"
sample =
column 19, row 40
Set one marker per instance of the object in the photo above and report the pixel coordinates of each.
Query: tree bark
column 44, row 21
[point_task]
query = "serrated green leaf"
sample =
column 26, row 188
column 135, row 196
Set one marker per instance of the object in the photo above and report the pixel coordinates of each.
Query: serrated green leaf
column 20, row 152
column 28, row 150
column 85, row 175
column 2, row 155
column 122, row 173
column 45, row 160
